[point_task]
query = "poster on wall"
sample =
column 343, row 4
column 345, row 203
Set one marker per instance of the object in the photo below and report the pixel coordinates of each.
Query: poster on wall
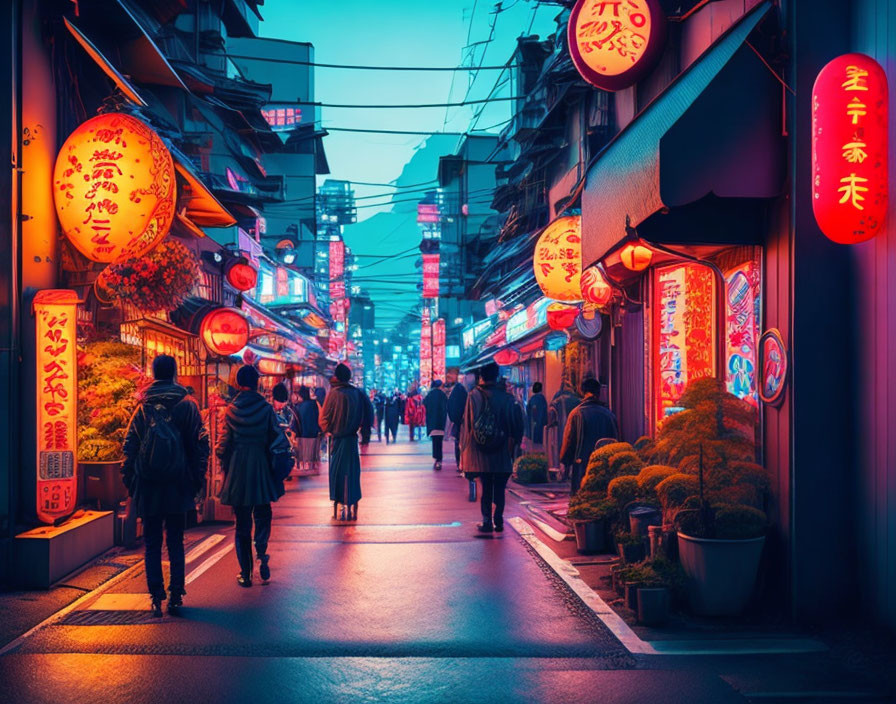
column 684, row 321
column 742, row 301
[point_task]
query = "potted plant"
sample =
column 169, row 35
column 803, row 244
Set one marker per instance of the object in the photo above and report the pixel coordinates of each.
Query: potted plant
column 630, row 546
column 660, row 578
column 589, row 513
column 531, row 468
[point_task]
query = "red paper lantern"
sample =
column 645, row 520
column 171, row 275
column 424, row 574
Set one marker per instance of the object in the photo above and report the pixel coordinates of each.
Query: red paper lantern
column 561, row 316
column 558, row 259
column 242, row 275
column 635, row 257
column 224, row 331
column 506, row 357
column 849, row 148
column 595, row 288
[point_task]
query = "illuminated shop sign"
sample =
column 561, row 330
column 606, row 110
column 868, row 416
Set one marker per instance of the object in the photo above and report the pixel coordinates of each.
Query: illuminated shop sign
column 473, row 333
column 55, row 314
column 742, row 300
column 527, row 320
column 614, row 43
column 224, row 331
column 438, row 349
column 849, row 148
column 114, row 188
column 282, row 118
column 425, row 349
column 430, row 276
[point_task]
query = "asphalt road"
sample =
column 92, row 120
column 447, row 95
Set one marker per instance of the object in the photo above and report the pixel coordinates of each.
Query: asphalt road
column 407, row 605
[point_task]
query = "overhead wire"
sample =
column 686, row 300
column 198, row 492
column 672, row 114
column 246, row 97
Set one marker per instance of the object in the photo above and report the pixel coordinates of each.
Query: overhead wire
column 361, row 67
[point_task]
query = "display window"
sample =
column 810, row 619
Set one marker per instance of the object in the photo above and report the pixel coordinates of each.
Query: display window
column 743, row 294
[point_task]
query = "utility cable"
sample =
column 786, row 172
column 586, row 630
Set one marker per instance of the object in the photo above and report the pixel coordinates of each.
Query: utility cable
column 359, row 67
column 461, row 103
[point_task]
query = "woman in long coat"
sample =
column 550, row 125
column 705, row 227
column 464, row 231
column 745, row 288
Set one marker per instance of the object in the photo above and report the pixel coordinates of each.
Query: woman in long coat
column 393, row 416
column 250, row 487
column 342, row 416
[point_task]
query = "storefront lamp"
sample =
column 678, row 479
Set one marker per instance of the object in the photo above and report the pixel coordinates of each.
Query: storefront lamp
column 241, row 274
column 635, row 257
column 595, row 288
column 224, row 331
column 561, row 316
column 558, row 259
column 506, row 357
column 114, row 188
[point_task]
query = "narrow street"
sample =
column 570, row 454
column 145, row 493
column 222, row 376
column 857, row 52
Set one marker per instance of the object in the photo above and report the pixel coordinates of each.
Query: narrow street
column 409, row 605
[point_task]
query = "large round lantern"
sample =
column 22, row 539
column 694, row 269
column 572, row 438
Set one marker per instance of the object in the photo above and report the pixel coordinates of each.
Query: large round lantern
column 595, row 288
column 849, row 148
column 506, row 357
column 114, row 188
column 225, row 331
column 614, row 44
column 241, row 274
column 558, row 259
column 635, row 257
column 561, row 316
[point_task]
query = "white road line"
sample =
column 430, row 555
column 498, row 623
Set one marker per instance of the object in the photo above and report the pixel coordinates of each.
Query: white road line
column 204, row 546
column 209, row 562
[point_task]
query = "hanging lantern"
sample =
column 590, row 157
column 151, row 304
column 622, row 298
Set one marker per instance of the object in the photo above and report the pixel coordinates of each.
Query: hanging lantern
column 225, row 331
column 506, row 357
column 556, row 340
column 595, row 288
column 241, row 274
column 558, row 259
column 849, row 148
column 636, row 257
column 561, row 316
column 114, row 188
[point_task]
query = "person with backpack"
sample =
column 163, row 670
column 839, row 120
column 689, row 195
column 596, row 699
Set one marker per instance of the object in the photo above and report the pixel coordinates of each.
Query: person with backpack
column 346, row 408
column 289, row 421
column 166, row 454
column 251, row 449
column 491, row 429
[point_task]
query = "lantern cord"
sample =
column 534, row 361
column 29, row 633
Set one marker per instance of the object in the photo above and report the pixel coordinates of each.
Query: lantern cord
column 768, row 66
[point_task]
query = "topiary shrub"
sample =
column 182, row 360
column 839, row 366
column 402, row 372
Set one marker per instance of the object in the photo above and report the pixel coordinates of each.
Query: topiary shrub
column 674, row 490
column 590, row 506
column 624, row 464
column 723, row 522
column 623, row 490
column 652, row 475
column 531, row 468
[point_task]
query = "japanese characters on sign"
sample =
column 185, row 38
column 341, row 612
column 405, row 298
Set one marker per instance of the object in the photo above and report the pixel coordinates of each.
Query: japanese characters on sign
column 337, row 281
column 527, row 320
column 114, row 188
column 425, row 349
column 613, row 43
column 55, row 313
column 850, row 148
column 431, row 276
column 438, row 349
column 742, row 300
column 558, row 259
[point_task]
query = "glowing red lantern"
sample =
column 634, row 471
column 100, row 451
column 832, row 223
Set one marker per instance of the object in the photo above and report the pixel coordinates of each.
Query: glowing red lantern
column 114, row 188
column 224, row 331
column 614, row 44
column 558, row 259
column 506, row 357
column 849, row 148
column 635, row 257
column 561, row 316
column 595, row 288
column 241, row 274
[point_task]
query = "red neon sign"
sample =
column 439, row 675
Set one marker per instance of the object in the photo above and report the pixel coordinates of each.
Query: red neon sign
column 430, row 276
column 438, row 349
column 849, row 148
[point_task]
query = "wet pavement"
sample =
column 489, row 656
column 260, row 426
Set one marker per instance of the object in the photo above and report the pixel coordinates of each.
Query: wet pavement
column 409, row 604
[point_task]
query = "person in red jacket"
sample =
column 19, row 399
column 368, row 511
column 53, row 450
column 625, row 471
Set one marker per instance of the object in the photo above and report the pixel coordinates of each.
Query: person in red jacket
column 414, row 414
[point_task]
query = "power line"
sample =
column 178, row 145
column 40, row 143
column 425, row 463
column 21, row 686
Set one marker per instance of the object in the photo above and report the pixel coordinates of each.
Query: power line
column 459, row 104
column 412, row 132
column 359, row 67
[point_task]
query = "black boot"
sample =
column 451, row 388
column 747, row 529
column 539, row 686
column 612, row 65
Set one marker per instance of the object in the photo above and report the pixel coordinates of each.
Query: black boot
column 156, row 606
column 499, row 525
column 486, row 526
column 244, row 580
column 263, row 570
column 244, row 556
column 175, row 601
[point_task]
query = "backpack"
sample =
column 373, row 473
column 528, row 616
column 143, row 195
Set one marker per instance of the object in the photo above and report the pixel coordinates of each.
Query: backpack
column 162, row 458
column 282, row 460
column 488, row 434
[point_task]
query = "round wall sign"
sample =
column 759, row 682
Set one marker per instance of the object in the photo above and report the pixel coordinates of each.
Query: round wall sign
column 773, row 364
column 614, row 44
column 591, row 328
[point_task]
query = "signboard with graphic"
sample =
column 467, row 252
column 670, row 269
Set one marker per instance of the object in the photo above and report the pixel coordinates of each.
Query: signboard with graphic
column 773, row 364
column 742, row 300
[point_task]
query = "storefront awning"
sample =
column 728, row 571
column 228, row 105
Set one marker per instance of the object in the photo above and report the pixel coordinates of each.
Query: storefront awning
column 699, row 157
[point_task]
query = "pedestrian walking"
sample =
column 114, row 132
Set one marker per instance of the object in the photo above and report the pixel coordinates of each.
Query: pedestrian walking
column 166, row 454
column 342, row 416
column 536, row 416
column 368, row 420
column 492, row 427
column 564, row 401
column 379, row 407
column 287, row 418
column 588, row 423
column 413, row 414
column 393, row 416
column 251, row 434
column 308, row 412
column 457, row 401
column 436, row 408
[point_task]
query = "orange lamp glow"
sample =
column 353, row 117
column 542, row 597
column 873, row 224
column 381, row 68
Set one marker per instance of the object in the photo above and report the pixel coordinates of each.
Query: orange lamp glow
column 614, row 44
column 506, row 357
column 636, row 257
column 850, row 124
column 271, row 367
column 561, row 316
column 595, row 288
column 242, row 275
column 224, row 331
column 558, row 259
column 56, row 314
column 114, row 188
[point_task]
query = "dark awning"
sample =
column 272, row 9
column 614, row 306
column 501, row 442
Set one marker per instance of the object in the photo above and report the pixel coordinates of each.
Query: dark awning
column 694, row 163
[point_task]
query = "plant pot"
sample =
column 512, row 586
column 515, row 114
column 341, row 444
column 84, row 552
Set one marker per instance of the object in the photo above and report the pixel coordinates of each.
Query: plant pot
column 642, row 517
column 630, row 590
column 631, row 553
column 102, row 483
column 590, row 536
column 721, row 574
column 653, row 606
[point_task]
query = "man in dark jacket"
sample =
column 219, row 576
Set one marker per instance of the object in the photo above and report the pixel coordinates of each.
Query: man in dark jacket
column 536, row 415
column 564, row 401
column 159, row 496
column 379, row 406
column 344, row 412
column 307, row 412
column 457, row 401
column 588, row 422
column 393, row 416
column 491, row 463
column 286, row 415
column 436, row 406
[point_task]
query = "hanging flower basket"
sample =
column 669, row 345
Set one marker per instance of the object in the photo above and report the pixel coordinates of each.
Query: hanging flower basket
column 157, row 281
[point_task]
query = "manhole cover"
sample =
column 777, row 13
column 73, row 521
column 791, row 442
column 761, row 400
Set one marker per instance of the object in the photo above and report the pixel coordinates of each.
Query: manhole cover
column 108, row 618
